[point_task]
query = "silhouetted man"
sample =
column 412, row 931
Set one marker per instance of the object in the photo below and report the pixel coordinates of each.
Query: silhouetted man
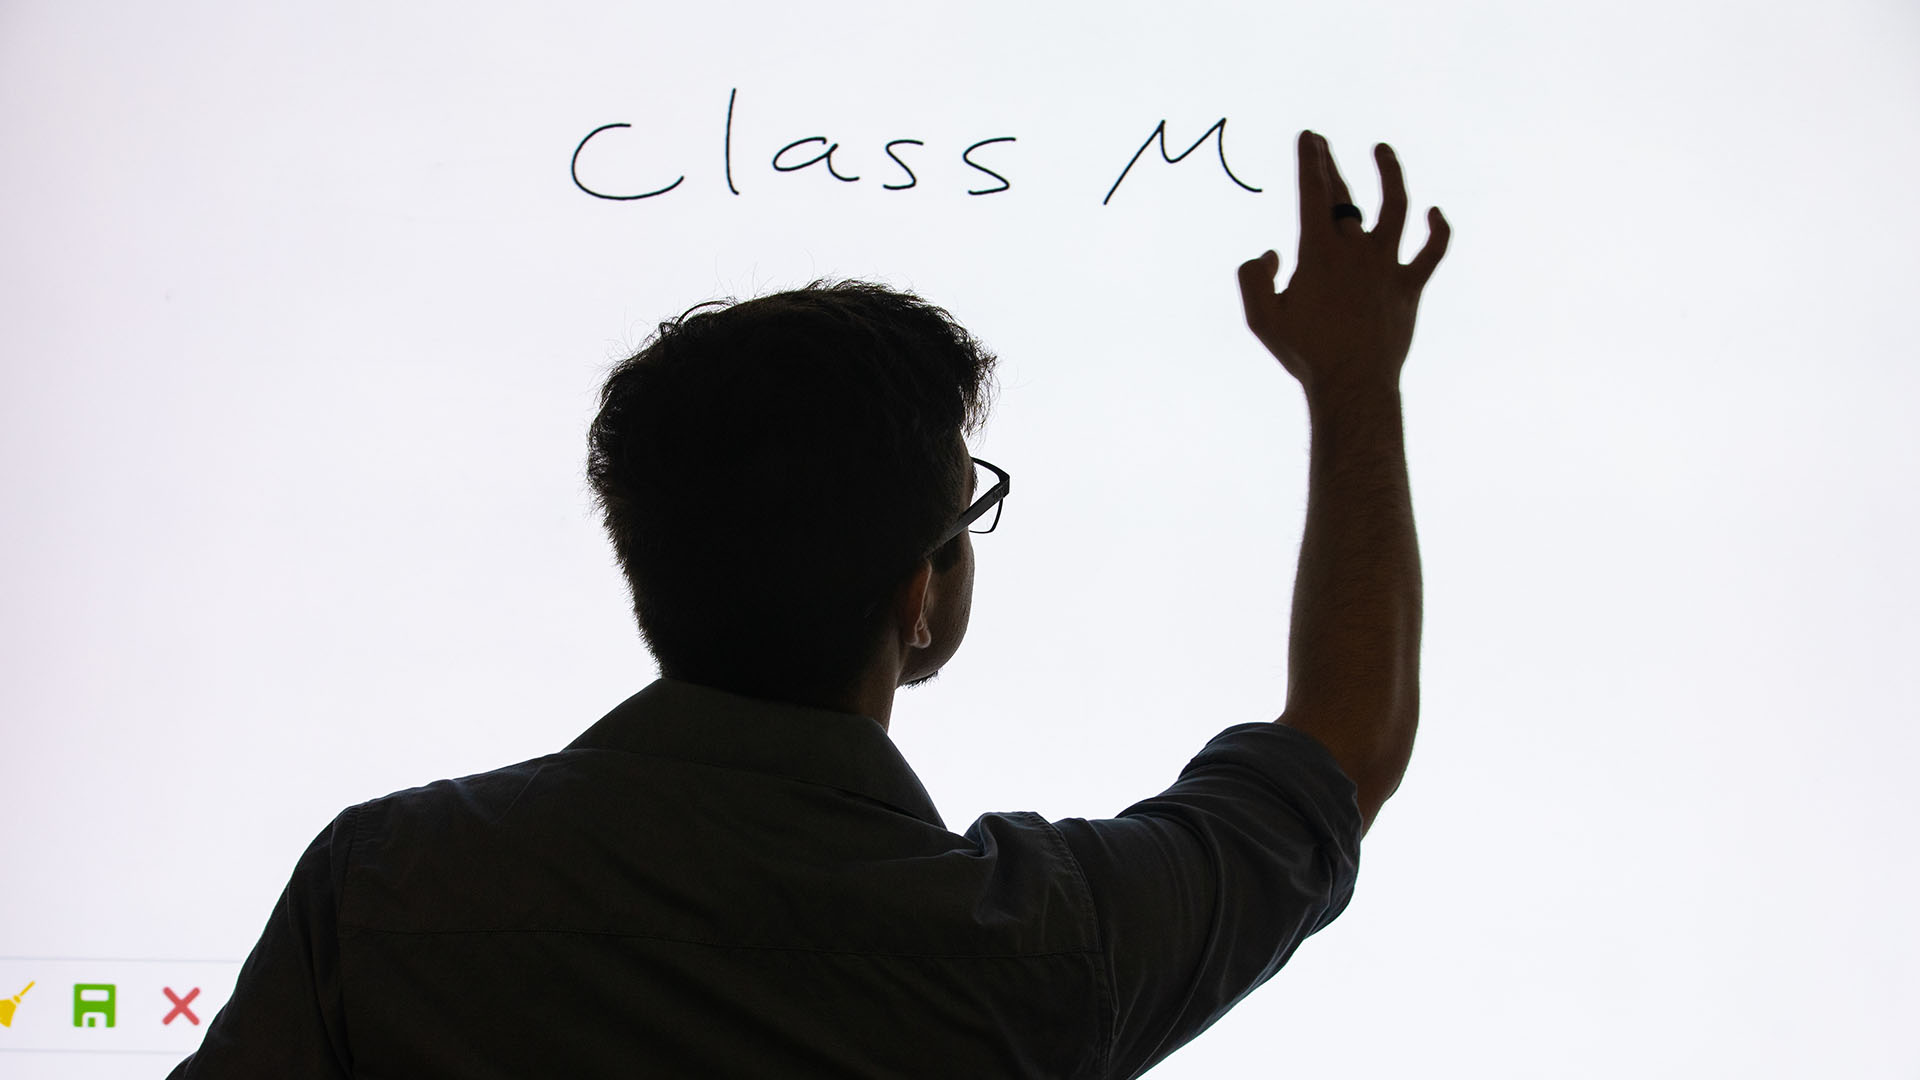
column 734, row 872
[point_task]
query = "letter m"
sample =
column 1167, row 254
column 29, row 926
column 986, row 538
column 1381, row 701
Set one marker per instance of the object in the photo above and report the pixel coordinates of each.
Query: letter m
column 1218, row 132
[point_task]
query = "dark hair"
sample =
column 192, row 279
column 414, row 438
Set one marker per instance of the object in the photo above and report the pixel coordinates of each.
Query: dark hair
column 769, row 470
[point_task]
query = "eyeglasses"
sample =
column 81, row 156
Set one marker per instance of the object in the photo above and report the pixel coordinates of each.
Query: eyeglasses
column 981, row 517
column 984, row 514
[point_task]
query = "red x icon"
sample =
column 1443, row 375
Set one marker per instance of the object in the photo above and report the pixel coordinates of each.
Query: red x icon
column 180, row 1004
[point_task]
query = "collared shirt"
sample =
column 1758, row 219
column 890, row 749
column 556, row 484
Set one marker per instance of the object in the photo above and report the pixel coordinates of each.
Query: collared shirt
column 707, row 885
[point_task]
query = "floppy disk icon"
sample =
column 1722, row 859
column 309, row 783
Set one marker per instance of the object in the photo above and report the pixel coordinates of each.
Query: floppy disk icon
column 92, row 1004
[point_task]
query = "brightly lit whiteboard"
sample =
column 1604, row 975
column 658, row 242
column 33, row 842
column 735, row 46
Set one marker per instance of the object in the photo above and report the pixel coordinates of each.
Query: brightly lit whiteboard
column 305, row 308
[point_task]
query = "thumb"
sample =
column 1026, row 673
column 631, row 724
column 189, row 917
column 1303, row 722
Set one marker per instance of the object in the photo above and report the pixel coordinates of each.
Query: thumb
column 1256, row 286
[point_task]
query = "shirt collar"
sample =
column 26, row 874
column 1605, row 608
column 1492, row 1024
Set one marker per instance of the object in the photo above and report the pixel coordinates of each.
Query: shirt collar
column 676, row 719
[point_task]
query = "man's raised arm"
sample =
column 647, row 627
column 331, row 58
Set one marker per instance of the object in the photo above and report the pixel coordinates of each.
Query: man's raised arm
column 1343, row 327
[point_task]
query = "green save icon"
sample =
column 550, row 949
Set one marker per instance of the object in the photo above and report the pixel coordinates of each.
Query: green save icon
column 92, row 1004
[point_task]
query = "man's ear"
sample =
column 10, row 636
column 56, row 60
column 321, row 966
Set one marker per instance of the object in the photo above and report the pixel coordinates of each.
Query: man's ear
column 915, row 601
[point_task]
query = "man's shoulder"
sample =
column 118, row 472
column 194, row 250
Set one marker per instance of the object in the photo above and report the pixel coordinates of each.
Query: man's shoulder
column 483, row 798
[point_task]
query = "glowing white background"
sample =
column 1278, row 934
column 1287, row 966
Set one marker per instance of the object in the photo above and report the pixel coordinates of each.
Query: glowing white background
column 304, row 321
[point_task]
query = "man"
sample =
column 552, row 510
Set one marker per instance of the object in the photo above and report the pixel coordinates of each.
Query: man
column 734, row 873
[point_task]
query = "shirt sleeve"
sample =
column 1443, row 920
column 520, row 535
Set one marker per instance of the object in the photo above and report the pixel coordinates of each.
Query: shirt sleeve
column 284, row 1018
column 1203, row 891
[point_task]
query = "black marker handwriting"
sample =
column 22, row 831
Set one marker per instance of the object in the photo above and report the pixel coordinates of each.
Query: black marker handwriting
column 1160, row 133
column 826, row 156
column 603, row 195
column 904, row 167
column 729, row 140
column 1217, row 132
column 965, row 156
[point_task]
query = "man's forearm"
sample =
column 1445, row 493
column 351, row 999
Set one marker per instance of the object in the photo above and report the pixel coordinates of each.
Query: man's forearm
column 1353, row 658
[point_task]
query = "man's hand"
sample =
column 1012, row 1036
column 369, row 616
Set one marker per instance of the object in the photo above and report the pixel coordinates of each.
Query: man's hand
column 1346, row 317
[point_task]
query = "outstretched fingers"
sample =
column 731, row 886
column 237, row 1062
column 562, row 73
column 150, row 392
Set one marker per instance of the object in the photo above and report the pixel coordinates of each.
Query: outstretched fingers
column 1393, row 199
column 1421, row 268
column 1316, row 196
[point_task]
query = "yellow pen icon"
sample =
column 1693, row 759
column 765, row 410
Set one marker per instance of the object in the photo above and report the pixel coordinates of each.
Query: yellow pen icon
column 7, row 1005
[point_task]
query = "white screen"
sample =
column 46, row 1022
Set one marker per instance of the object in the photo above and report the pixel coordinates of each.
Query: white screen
column 304, row 318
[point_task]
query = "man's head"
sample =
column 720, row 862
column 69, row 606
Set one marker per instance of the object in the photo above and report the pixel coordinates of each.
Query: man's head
column 774, row 475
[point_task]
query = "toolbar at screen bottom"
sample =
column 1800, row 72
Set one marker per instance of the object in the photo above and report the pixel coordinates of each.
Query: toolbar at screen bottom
column 110, row 1006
